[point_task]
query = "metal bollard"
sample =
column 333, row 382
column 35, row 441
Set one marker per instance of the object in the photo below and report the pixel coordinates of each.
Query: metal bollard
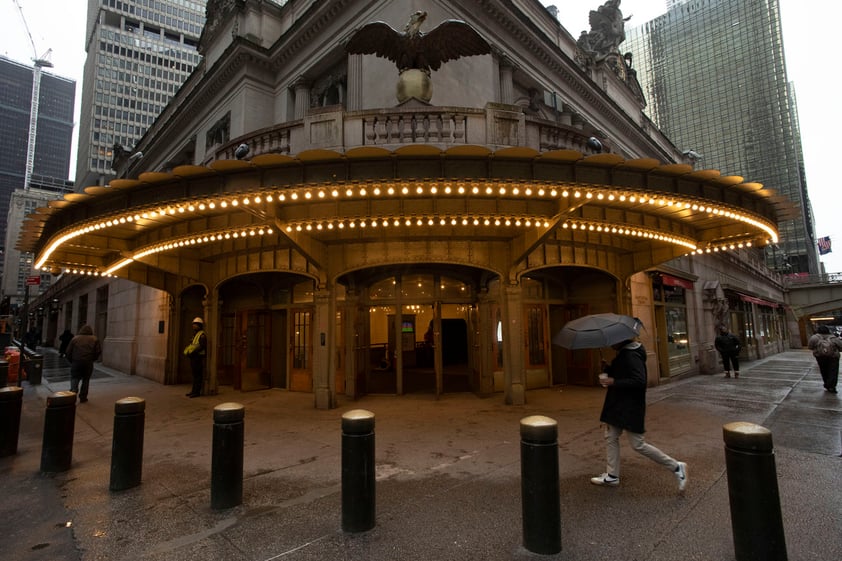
column 539, row 485
column 358, row 470
column 753, row 491
column 11, row 400
column 227, row 457
column 127, row 443
column 59, row 426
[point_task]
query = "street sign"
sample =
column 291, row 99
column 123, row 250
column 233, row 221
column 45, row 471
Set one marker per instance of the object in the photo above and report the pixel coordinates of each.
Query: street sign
column 34, row 280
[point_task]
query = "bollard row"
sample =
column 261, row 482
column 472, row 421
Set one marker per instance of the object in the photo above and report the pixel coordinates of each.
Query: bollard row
column 756, row 519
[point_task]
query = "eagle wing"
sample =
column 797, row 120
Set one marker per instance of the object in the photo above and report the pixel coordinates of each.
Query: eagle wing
column 378, row 38
column 450, row 40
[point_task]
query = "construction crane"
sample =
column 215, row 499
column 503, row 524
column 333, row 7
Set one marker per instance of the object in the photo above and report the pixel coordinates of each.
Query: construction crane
column 40, row 62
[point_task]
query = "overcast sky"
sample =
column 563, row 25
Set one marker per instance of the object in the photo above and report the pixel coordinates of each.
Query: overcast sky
column 811, row 50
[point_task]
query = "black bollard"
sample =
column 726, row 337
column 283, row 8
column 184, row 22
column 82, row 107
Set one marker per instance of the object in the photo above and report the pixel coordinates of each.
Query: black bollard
column 539, row 485
column 756, row 520
column 11, row 399
column 358, row 493
column 59, row 426
column 127, row 443
column 227, row 457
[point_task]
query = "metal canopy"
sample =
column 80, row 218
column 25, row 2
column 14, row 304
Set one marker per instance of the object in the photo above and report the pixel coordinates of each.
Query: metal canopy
column 415, row 192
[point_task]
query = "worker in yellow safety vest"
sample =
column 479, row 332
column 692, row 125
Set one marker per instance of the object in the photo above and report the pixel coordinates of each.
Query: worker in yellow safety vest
column 196, row 352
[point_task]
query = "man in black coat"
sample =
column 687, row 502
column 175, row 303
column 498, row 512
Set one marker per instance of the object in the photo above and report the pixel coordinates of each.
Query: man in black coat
column 624, row 409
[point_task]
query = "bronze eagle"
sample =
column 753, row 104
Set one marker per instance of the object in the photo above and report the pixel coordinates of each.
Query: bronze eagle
column 411, row 48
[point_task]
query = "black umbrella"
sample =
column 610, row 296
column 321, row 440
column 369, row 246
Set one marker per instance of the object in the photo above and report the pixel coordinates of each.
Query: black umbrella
column 596, row 331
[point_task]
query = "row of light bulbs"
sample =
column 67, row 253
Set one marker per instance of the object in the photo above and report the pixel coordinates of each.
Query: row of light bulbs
column 407, row 189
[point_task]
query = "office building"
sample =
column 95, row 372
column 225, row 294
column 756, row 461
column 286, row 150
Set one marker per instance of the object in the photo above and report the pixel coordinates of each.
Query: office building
column 714, row 76
column 52, row 144
column 139, row 52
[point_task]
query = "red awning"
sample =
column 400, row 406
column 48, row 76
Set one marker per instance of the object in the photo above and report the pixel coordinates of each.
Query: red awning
column 676, row 281
column 758, row 301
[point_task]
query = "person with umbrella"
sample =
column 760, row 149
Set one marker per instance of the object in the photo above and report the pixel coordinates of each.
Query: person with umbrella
column 624, row 409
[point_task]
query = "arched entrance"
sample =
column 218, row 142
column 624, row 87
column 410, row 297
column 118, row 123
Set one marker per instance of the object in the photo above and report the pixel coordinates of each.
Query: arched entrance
column 565, row 293
column 418, row 329
column 265, row 336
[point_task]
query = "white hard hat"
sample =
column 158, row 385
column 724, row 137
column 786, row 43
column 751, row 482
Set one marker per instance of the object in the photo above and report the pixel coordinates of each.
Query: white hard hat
column 198, row 320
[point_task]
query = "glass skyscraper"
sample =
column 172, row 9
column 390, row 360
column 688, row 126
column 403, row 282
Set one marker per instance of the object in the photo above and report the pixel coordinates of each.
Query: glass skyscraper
column 714, row 77
column 54, row 132
column 139, row 52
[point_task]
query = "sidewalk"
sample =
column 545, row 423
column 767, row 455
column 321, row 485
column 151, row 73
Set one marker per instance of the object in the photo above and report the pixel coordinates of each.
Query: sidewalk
column 448, row 475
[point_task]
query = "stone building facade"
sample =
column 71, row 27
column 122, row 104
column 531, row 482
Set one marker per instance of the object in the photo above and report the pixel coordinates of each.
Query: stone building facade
column 342, row 242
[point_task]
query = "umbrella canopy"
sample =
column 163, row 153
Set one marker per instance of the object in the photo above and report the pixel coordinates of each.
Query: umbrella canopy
column 596, row 331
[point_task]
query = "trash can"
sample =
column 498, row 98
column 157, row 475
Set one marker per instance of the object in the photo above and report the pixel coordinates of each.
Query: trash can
column 33, row 367
column 13, row 365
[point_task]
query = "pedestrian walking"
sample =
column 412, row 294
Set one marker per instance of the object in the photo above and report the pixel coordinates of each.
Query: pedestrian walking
column 729, row 348
column 65, row 340
column 624, row 409
column 196, row 352
column 82, row 351
column 826, row 347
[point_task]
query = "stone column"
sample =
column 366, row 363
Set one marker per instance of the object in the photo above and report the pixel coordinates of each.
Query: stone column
column 355, row 83
column 323, row 360
column 506, row 82
column 211, row 311
column 514, row 369
column 302, row 97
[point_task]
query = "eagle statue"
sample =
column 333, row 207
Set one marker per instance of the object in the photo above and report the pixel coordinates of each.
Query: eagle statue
column 414, row 51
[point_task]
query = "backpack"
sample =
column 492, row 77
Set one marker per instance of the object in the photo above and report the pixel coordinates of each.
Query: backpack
column 825, row 347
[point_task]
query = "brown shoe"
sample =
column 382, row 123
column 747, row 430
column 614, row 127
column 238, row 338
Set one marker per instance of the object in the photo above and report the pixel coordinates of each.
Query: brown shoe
column 727, row 374
column 736, row 374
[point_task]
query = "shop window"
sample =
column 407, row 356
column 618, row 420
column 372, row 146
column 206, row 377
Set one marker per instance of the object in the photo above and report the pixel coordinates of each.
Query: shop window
column 418, row 287
column 382, row 290
column 303, row 292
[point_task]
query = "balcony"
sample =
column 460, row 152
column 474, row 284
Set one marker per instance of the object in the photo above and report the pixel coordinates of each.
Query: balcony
column 331, row 128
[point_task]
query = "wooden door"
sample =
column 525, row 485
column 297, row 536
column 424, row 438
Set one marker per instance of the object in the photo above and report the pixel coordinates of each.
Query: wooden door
column 301, row 347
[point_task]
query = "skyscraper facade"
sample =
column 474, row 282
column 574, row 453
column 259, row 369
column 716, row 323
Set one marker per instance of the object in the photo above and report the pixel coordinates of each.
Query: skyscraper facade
column 53, row 138
column 714, row 77
column 139, row 52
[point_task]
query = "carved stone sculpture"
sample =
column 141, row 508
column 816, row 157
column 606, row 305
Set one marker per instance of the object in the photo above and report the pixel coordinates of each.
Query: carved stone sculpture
column 415, row 53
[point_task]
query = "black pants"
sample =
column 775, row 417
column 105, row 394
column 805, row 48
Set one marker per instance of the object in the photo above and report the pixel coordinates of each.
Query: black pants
column 80, row 371
column 729, row 360
column 197, row 367
column 829, row 368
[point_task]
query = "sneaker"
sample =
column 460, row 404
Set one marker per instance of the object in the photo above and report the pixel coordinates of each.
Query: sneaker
column 681, row 475
column 606, row 479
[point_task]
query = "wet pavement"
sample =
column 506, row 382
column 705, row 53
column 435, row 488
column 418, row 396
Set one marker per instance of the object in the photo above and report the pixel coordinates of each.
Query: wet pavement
column 448, row 474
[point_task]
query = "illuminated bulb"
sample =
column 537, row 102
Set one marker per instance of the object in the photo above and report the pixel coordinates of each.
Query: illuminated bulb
column 246, row 201
column 363, row 192
column 461, row 190
column 377, row 190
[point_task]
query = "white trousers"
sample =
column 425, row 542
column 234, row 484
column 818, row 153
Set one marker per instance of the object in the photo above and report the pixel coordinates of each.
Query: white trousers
column 638, row 444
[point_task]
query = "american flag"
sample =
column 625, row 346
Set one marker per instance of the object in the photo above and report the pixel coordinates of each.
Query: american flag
column 824, row 245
